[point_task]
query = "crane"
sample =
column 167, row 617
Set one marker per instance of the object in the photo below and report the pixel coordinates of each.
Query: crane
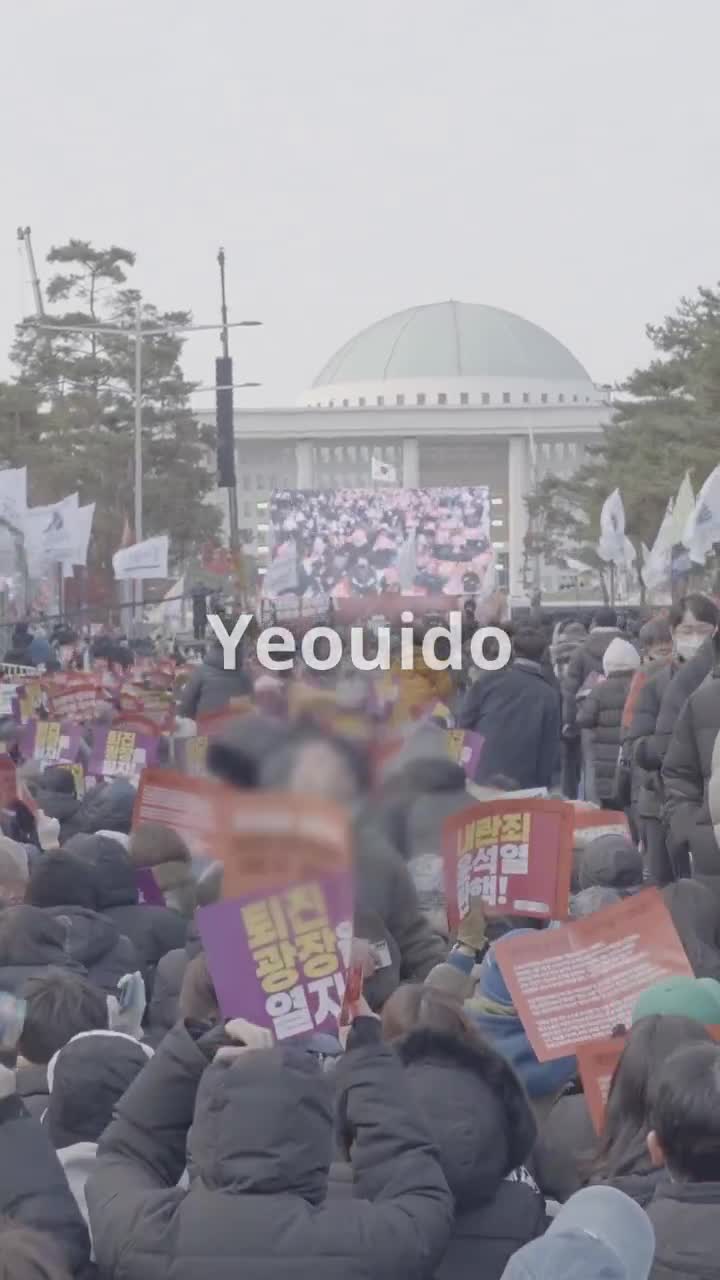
column 23, row 234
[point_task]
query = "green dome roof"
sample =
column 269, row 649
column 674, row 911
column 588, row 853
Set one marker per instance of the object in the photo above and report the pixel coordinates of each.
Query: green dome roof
column 451, row 340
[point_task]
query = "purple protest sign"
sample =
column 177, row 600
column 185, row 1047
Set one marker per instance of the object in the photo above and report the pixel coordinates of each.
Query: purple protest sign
column 51, row 741
column 120, row 753
column 279, row 958
column 465, row 747
column 149, row 892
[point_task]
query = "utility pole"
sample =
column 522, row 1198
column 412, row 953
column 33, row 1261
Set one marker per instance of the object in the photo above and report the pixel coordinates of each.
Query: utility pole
column 225, row 421
column 137, row 454
column 23, row 234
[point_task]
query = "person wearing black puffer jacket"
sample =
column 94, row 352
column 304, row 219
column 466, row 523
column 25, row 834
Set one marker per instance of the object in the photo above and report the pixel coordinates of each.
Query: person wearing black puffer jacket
column 153, row 930
column 479, row 1117
column 600, row 714
column 63, row 885
column 163, row 1007
column 259, row 1151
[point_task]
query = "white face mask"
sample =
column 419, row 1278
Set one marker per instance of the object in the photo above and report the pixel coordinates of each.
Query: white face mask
column 687, row 646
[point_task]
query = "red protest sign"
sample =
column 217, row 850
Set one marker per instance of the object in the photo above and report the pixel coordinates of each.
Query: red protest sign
column 579, row 982
column 215, row 721
column 75, row 702
column 186, row 805
column 515, row 855
column 135, row 722
column 597, row 1062
column 599, row 822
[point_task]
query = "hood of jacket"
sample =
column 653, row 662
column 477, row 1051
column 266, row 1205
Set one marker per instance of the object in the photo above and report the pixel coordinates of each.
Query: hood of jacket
column 108, row 806
column 30, row 936
column 477, row 1112
column 86, row 1078
column 114, row 872
column 598, row 641
column 88, row 937
column 263, row 1125
column 235, row 755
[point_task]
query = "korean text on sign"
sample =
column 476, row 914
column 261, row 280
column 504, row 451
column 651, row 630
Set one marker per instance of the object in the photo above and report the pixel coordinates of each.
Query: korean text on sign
column 492, row 849
column 48, row 740
column 296, row 958
column 119, row 753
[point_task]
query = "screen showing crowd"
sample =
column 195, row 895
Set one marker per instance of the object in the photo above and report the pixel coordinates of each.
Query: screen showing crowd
column 350, row 542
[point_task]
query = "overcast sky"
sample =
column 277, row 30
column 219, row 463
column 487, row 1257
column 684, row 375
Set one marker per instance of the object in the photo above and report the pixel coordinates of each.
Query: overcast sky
column 558, row 158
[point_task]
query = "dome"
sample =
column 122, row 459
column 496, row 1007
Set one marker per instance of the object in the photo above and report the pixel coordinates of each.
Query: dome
column 451, row 339
column 438, row 347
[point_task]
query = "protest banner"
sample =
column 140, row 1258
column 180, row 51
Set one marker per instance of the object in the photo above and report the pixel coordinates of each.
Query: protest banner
column 279, row 943
column 515, row 855
column 580, row 982
column 191, row 754
column 215, row 721
column 51, row 741
column 29, row 699
column 148, row 559
column 186, row 805
column 77, row 702
column 465, row 748
column 591, row 823
column 121, row 753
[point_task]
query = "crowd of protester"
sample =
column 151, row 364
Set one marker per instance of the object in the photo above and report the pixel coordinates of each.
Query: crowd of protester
column 143, row 1136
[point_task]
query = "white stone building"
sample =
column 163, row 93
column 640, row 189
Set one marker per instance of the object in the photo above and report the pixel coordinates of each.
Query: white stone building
column 449, row 393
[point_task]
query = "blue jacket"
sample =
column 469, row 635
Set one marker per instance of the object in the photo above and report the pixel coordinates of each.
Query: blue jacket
column 40, row 651
column 507, row 1035
column 517, row 711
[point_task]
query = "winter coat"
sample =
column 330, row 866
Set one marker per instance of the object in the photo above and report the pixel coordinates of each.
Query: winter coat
column 106, row 807
column 163, row 1008
column 210, row 687
column 687, row 678
column 506, row 1033
column 153, row 930
column 39, row 943
column 33, row 1189
column 646, row 784
column 691, row 781
column 686, row 1219
column 259, row 1154
column 602, row 712
column 565, row 645
column 32, row 1088
column 418, row 688
column 565, row 1144
column 586, row 660
column 97, row 945
column 695, row 912
column 517, row 712
column 480, row 1121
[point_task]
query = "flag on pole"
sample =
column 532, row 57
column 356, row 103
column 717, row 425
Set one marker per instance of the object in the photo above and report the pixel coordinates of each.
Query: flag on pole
column 148, row 559
column 383, row 472
column 407, row 563
column 682, row 510
column 656, row 563
column 611, row 546
column 703, row 525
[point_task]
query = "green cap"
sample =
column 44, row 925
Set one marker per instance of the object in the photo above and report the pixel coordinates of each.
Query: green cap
column 683, row 997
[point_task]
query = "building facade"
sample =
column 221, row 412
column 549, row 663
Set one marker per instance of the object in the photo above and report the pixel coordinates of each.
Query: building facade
column 450, row 393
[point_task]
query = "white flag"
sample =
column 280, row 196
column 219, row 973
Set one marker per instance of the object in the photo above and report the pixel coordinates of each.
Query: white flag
column 381, row 471
column 148, row 559
column 13, row 496
column 683, row 508
column 703, row 525
column 407, row 563
column 656, row 563
column 50, row 533
column 281, row 575
column 611, row 546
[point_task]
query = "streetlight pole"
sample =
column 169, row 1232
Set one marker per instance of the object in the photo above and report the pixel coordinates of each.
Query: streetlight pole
column 137, row 452
column 225, row 411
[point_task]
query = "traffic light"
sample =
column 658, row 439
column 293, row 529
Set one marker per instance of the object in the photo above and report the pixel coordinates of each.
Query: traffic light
column 224, row 422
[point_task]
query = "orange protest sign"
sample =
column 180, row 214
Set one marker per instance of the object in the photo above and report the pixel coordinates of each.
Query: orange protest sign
column 597, row 1062
column 579, row 982
column 189, row 806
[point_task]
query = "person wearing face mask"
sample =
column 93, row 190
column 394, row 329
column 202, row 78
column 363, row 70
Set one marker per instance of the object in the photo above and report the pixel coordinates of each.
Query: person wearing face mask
column 691, row 774
column 692, row 623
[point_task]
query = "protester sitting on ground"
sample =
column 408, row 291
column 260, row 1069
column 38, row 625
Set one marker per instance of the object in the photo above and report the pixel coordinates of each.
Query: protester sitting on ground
column 35, row 1198
column 86, row 1079
column 610, row 862
column 165, row 852
column 259, row 1150
column 63, row 885
column 690, row 781
column 108, row 806
column 163, row 1009
column 568, row 1154
column 600, row 1234
column 684, row 1139
column 517, row 712
column 30, row 941
column 59, row 1006
column 14, row 872
column 55, row 794
column 153, row 930
column 479, row 1119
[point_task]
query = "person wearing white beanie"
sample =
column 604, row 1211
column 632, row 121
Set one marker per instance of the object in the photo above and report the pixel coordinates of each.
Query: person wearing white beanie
column 600, row 715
